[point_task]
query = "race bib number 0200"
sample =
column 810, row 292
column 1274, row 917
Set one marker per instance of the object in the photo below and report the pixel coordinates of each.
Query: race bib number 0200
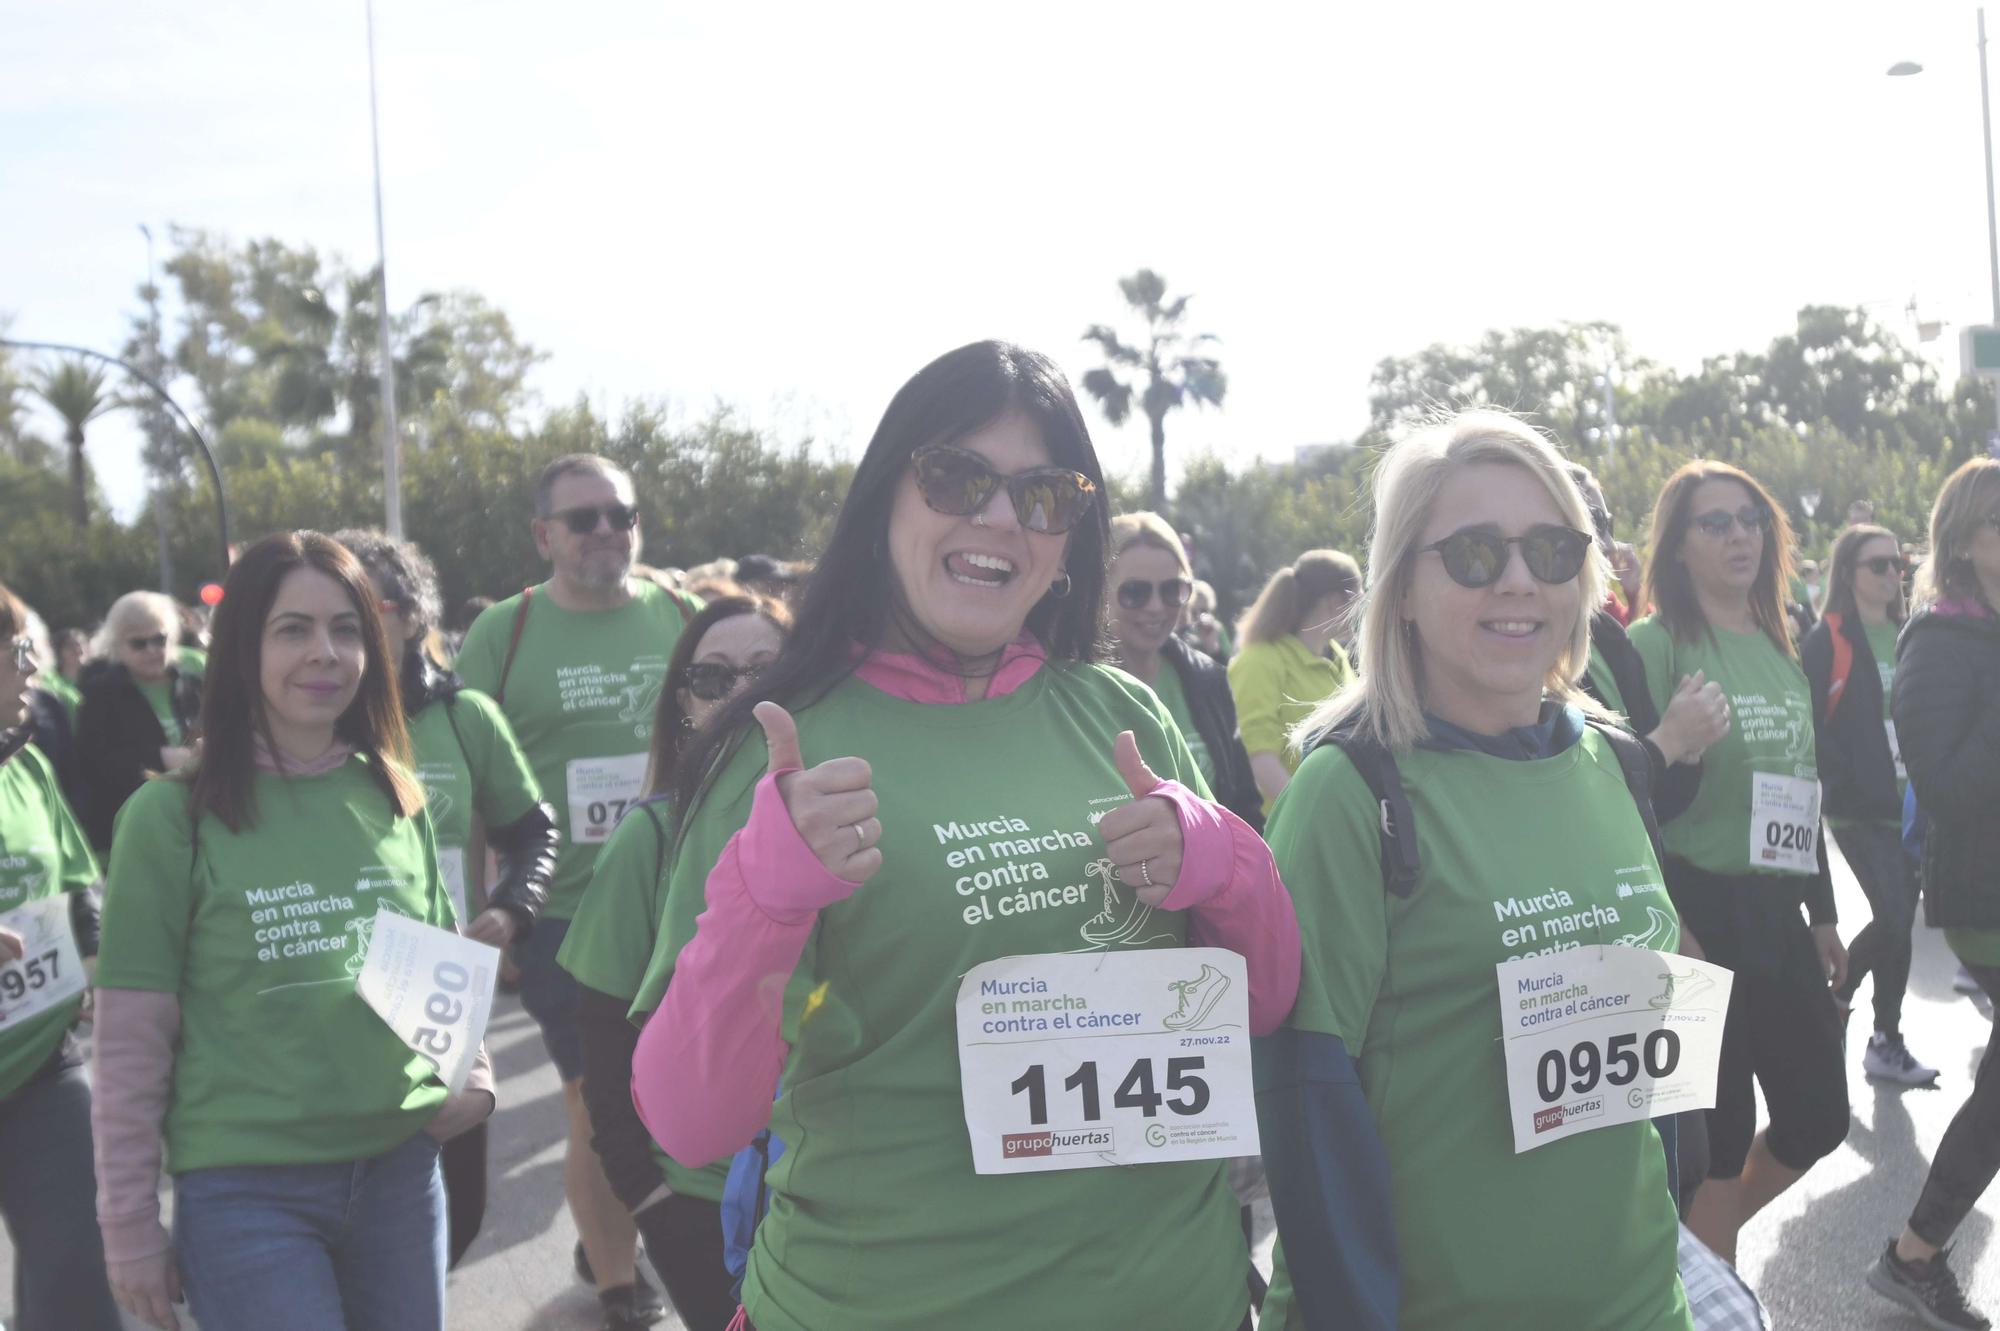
column 1081, row 1060
column 49, row 971
column 1784, row 822
column 1598, row 1036
column 432, row 987
column 600, row 790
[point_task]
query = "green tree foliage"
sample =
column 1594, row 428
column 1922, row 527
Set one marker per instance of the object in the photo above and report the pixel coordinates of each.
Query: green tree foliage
column 1169, row 368
column 74, row 390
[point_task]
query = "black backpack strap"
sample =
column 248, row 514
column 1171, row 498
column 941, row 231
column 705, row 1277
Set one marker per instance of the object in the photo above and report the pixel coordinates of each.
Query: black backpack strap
column 1637, row 765
column 659, row 834
column 1397, row 823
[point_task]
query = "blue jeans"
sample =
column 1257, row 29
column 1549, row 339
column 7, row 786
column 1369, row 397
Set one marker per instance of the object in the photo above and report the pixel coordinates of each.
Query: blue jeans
column 342, row 1247
column 48, row 1198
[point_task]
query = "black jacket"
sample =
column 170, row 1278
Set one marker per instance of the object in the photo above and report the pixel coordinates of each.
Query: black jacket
column 526, row 848
column 1857, row 773
column 1206, row 685
column 1674, row 786
column 118, row 739
column 1946, row 704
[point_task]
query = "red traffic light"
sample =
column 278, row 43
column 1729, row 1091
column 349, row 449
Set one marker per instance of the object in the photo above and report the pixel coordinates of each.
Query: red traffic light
column 211, row 593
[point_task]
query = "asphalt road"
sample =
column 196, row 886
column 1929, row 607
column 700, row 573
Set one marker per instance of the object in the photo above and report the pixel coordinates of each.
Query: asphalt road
column 1805, row 1255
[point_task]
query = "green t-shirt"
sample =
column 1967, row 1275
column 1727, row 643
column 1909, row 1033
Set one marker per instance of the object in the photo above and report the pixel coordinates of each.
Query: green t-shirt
column 468, row 761
column 1519, row 858
column 1277, row 685
column 261, row 933
column 877, row 1220
column 42, row 852
column 580, row 698
column 192, row 660
column 1167, row 684
column 612, row 936
column 62, row 691
column 159, row 695
column 1770, row 730
column 1605, row 683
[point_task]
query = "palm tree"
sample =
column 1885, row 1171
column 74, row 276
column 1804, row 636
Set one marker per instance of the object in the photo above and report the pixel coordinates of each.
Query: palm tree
column 74, row 390
column 1171, row 369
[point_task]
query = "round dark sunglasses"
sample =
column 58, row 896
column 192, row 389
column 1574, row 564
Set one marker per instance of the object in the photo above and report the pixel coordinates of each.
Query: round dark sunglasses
column 1137, row 594
column 1881, row 564
column 583, row 521
column 712, row 681
column 1477, row 556
column 958, row 482
column 156, row 642
column 1753, row 519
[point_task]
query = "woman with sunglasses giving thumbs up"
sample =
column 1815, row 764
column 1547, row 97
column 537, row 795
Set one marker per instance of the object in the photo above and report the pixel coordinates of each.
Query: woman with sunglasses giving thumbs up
column 933, row 776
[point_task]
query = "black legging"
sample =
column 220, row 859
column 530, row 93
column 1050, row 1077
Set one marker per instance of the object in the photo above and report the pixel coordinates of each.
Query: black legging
column 464, row 1190
column 1875, row 852
column 1969, row 1156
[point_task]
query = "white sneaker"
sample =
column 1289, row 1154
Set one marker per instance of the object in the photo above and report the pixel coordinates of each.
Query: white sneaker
column 1889, row 1059
column 1963, row 981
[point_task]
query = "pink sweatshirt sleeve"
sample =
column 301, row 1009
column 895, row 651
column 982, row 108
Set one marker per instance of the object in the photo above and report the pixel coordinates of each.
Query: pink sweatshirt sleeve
column 132, row 1084
column 711, row 1055
column 1230, row 882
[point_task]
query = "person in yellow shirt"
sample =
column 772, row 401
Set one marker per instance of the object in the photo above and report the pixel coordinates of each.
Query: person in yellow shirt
column 1289, row 661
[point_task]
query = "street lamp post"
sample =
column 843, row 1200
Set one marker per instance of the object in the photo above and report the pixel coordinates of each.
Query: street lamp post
column 1903, row 68
column 392, row 461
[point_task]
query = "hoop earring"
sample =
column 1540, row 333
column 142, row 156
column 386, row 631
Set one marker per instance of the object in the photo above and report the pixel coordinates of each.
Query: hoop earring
column 1065, row 582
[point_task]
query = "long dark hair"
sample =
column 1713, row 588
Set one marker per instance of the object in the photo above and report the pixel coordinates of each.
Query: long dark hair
column 1669, row 585
column 670, row 720
column 1846, row 558
column 233, row 699
column 853, row 595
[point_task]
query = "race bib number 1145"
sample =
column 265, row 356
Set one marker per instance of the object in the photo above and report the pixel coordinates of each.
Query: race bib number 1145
column 1080, row 1060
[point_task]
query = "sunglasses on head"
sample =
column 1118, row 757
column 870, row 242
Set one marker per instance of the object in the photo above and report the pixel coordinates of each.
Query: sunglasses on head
column 582, row 521
column 1476, row 556
column 1753, row 519
column 958, row 483
column 1881, row 564
column 24, row 656
column 156, row 642
column 712, row 681
column 1137, row 594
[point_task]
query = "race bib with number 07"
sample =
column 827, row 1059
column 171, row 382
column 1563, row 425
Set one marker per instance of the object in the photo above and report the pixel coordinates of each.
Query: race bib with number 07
column 600, row 790
column 432, row 987
column 1784, row 823
column 49, row 971
column 1597, row 1036
column 1081, row 1060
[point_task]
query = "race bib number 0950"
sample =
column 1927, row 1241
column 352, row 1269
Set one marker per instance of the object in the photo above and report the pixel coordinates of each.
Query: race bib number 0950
column 1784, row 823
column 1598, row 1036
column 433, row 988
column 1076, row 1061
column 49, row 971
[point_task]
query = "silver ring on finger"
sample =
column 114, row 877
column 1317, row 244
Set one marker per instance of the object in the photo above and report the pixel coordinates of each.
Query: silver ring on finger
column 1145, row 873
column 860, row 837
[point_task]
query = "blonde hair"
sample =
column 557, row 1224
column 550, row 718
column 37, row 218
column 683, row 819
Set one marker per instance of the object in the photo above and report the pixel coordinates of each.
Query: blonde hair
column 1969, row 497
column 1282, row 606
column 131, row 610
column 1130, row 529
column 1386, row 700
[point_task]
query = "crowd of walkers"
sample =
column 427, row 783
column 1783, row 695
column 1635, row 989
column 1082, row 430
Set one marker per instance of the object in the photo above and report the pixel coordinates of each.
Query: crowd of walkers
column 712, row 821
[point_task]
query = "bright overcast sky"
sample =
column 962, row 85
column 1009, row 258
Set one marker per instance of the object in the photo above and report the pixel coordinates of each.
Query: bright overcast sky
column 791, row 207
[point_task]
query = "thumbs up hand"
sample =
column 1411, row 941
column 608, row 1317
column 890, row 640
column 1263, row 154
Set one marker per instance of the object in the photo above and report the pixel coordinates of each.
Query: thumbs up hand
column 832, row 805
column 1142, row 838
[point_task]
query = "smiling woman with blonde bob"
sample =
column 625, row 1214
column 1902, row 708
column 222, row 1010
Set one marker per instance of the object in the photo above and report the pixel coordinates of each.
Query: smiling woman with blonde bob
column 1386, row 1093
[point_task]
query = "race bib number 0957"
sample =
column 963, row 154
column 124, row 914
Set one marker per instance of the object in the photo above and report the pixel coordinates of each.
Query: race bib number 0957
column 433, row 988
column 49, row 971
column 1079, row 1060
column 1597, row 1036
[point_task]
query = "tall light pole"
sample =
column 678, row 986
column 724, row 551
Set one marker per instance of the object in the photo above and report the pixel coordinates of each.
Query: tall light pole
column 1903, row 68
column 159, row 431
column 392, row 462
